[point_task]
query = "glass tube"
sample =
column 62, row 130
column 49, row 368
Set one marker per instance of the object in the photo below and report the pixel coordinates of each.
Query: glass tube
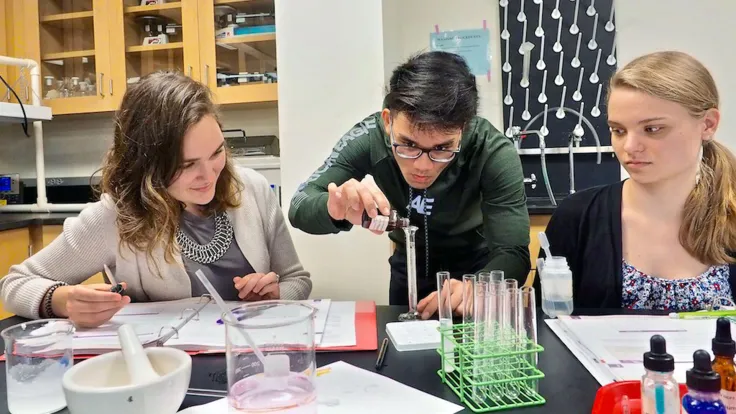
column 479, row 315
column 411, row 274
column 529, row 322
column 496, row 291
column 513, row 327
column 444, row 309
column 497, row 275
column 468, row 330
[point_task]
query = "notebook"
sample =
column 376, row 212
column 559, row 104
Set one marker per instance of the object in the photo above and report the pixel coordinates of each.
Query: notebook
column 414, row 335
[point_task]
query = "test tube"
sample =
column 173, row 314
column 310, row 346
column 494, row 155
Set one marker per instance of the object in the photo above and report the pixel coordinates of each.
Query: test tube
column 444, row 308
column 468, row 309
column 496, row 308
column 512, row 307
column 529, row 321
column 479, row 314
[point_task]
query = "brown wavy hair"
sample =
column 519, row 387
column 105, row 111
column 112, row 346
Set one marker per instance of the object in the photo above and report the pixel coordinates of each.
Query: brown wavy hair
column 708, row 229
column 146, row 155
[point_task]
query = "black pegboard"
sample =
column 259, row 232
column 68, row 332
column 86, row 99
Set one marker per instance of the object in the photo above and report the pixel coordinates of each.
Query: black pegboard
column 588, row 173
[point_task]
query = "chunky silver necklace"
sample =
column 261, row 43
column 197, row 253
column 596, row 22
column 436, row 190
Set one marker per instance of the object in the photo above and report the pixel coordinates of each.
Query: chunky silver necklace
column 212, row 251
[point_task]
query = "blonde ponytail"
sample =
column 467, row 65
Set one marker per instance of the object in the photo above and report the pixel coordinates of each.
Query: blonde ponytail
column 708, row 230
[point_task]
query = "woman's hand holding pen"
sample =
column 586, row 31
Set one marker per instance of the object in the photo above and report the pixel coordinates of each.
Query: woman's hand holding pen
column 88, row 306
column 258, row 286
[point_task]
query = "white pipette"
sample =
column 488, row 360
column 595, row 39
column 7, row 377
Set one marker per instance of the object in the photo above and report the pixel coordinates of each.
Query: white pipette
column 611, row 59
column 592, row 44
column 521, row 16
column 561, row 110
column 557, row 47
column 526, row 115
column 544, row 243
column 575, row 62
column 591, row 9
column 574, row 29
column 556, row 12
column 594, row 76
column 539, row 32
column 577, row 96
column 609, row 24
column 542, row 95
column 540, row 63
column 505, row 33
column 508, row 100
column 224, row 308
column 559, row 80
column 523, row 40
column 596, row 112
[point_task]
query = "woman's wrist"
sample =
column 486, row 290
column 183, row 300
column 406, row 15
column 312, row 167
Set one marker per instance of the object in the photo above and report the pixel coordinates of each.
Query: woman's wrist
column 58, row 301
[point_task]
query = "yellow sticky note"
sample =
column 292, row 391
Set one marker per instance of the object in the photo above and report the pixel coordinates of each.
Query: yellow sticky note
column 3, row 202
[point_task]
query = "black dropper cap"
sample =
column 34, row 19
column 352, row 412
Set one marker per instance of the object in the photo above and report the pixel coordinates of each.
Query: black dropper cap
column 702, row 377
column 657, row 359
column 723, row 345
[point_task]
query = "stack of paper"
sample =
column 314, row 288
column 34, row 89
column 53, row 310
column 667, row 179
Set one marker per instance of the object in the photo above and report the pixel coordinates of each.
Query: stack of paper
column 612, row 347
column 345, row 388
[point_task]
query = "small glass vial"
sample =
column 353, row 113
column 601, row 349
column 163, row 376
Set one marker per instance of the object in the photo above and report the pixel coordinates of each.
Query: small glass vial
column 724, row 349
column 660, row 393
column 74, row 88
column 703, row 387
column 385, row 223
column 51, row 92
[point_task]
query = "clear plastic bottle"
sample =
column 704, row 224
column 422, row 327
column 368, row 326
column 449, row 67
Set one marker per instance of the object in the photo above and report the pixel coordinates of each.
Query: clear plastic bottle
column 660, row 393
column 556, row 282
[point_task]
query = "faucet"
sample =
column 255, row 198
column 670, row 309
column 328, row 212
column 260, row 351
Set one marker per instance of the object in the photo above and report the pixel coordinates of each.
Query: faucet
column 532, row 181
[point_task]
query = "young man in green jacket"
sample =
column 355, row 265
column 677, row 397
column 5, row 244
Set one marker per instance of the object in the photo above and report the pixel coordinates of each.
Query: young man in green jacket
column 428, row 156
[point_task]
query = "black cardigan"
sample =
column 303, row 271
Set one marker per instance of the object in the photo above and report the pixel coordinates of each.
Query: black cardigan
column 586, row 229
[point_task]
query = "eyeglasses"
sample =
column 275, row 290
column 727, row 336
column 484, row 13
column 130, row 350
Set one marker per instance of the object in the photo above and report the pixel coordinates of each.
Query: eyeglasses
column 412, row 152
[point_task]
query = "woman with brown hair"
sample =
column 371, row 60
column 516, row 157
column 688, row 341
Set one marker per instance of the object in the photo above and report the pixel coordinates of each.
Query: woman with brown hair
column 172, row 203
column 664, row 238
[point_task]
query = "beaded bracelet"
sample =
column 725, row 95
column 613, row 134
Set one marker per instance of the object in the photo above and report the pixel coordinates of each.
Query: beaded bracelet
column 47, row 308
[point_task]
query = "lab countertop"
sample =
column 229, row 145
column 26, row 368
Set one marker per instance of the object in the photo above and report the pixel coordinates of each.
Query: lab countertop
column 539, row 206
column 10, row 221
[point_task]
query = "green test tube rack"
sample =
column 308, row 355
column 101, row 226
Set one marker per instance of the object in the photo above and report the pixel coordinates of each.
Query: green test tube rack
column 496, row 374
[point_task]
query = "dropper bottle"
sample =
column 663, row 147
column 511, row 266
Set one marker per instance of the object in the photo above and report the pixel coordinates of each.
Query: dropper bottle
column 660, row 393
column 704, row 387
column 384, row 223
column 724, row 349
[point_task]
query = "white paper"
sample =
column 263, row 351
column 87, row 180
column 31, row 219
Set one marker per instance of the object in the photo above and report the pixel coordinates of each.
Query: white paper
column 340, row 326
column 612, row 347
column 206, row 334
column 349, row 389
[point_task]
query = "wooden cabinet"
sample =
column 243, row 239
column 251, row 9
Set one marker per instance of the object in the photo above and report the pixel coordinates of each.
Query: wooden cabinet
column 90, row 50
column 14, row 249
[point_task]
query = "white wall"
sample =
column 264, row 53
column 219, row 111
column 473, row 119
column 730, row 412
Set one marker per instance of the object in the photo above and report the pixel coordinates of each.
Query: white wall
column 408, row 23
column 704, row 29
column 75, row 144
column 330, row 55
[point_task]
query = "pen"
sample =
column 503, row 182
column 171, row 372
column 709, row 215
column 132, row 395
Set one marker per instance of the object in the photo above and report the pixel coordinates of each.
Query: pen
column 382, row 354
column 702, row 314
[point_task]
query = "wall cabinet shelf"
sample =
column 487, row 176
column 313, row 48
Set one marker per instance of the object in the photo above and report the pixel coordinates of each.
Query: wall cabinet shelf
column 92, row 50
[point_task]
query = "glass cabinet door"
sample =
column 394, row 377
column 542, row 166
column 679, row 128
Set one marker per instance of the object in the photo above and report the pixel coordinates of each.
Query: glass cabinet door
column 238, row 43
column 74, row 55
column 158, row 35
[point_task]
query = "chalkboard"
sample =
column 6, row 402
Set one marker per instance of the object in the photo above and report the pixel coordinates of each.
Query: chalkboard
column 587, row 172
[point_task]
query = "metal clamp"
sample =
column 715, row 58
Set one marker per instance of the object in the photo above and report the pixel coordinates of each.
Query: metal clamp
column 176, row 331
column 195, row 317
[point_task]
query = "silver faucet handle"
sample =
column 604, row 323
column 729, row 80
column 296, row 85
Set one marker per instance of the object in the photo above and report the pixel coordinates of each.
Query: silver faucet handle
column 532, row 180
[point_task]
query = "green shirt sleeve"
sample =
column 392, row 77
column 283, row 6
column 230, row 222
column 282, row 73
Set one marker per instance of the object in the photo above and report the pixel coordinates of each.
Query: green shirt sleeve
column 505, row 215
column 350, row 158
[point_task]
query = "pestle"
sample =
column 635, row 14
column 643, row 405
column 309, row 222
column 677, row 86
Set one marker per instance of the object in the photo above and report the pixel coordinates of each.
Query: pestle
column 139, row 366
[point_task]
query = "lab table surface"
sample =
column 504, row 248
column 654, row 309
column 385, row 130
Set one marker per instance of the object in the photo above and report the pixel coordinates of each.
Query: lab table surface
column 567, row 386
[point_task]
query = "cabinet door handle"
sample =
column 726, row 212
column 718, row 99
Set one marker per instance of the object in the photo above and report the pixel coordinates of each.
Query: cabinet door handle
column 207, row 75
column 110, row 86
column 30, row 250
column 100, row 85
column 27, row 100
column 190, row 71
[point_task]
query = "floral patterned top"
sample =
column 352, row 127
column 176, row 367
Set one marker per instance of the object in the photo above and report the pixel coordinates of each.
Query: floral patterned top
column 641, row 291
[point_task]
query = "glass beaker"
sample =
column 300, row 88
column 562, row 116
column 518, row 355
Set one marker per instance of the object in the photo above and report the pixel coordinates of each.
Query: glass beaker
column 280, row 330
column 37, row 354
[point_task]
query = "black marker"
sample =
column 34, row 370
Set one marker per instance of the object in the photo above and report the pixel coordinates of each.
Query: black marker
column 382, row 354
column 117, row 287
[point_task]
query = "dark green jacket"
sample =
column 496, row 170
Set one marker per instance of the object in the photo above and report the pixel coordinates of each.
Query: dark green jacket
column 478, row 201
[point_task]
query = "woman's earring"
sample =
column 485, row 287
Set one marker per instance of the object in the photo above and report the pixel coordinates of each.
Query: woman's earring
column 700, row 164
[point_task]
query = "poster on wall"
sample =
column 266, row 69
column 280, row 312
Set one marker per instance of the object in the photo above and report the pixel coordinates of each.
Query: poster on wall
column 471, row 44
